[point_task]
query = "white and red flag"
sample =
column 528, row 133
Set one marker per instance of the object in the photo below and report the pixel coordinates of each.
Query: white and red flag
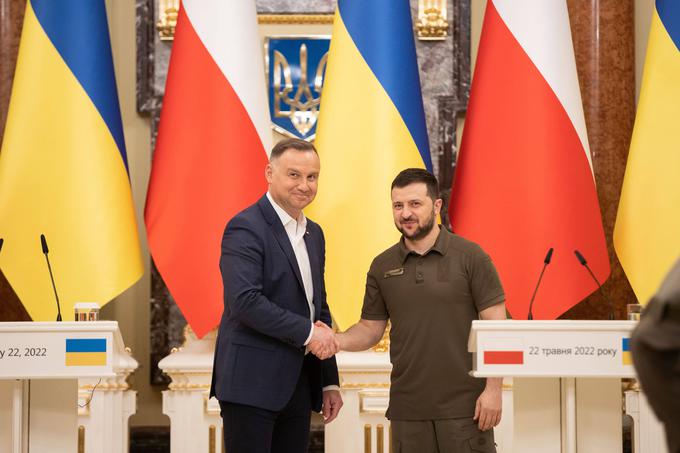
column 211, row 150
column 524, row 179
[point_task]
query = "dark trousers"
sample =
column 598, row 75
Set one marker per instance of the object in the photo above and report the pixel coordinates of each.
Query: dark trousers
column 250, row 429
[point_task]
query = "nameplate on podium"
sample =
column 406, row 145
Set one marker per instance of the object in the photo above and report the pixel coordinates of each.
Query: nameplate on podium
column 49, row 350
column 551, row 348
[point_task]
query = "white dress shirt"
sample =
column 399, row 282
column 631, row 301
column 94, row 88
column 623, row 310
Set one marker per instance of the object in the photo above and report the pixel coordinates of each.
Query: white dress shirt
column 296, row 230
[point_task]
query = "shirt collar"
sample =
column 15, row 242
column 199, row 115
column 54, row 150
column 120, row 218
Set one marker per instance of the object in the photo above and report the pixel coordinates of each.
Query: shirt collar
column 440, row 245
column 284, row 216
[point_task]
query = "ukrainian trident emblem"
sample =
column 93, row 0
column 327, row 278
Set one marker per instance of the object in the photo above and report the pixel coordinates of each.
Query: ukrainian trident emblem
column 295, row 74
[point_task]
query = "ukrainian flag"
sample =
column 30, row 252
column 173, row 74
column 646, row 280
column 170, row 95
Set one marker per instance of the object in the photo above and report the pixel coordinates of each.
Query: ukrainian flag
column 63, row 167
column 371, row 126
column 626, row 357
column 85, row 352
column 647, row 230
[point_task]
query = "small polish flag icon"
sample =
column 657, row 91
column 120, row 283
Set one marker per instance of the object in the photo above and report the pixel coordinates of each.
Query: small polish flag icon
column 503, row 357
column 504, row 351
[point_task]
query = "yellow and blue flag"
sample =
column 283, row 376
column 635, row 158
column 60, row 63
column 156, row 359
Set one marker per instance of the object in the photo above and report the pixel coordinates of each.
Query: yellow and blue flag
column 371, row 126
column 63, row 165
column 626, row 357
column 647, row 230
column 85, row 352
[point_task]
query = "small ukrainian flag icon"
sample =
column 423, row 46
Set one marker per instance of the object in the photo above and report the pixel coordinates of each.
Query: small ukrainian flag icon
column 85, row 351
column 625, row 352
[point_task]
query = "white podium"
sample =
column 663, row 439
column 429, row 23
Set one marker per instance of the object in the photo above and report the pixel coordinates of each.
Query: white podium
column 40, row 364
column 566, row 380
column 195, row 422
column 361, row 425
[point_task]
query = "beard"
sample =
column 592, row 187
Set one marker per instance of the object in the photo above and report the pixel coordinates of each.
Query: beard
column 421, row 231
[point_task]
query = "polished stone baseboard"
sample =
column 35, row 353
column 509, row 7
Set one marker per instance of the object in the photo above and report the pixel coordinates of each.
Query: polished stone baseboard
column 150, row 439
column 156, row 439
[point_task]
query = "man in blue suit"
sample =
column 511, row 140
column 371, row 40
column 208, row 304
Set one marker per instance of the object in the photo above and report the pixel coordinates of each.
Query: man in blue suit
column 275, row 315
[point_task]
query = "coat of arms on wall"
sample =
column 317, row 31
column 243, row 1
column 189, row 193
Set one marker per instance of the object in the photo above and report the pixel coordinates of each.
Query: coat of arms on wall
column 295, row 73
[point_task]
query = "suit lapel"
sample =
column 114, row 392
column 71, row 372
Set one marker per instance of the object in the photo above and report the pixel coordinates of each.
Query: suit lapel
column 316, row 271
column 281, row 236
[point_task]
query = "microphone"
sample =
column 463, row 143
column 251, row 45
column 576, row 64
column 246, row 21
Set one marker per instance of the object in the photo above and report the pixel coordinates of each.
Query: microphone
column 46, row 251
column 546, row 261
column 581, row 259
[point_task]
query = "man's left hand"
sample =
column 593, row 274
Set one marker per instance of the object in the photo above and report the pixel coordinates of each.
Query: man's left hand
column 332, row 402
column 488, row 408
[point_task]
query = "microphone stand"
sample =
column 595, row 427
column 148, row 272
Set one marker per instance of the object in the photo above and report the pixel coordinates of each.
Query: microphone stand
column 46, row 251
column 546, row 261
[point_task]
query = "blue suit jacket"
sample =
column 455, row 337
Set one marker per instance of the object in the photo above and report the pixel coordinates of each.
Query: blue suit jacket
column 260, row 344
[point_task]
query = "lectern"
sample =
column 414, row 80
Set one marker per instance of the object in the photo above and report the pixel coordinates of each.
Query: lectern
column 40, row 364
column 566, row 380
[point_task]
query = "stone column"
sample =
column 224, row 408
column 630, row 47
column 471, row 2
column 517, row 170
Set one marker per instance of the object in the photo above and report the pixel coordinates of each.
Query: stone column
column 604, row 43
column 11, row 21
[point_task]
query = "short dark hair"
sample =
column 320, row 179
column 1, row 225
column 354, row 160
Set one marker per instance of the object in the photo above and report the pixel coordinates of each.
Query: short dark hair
column 416, row 175
column 290, row 143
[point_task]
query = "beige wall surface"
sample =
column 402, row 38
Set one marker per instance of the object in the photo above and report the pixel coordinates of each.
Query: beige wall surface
column 131, row 309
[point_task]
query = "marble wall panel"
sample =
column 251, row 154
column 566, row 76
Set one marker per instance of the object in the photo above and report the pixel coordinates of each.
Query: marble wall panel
column 295, row 6
column 604, row 44
column 11, row 21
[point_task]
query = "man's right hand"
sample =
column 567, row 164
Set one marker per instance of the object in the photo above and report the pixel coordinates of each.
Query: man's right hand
column 323, row 343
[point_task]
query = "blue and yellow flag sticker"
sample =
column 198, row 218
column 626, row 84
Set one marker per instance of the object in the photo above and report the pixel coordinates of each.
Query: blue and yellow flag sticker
column 85, row 352
column 625, row 352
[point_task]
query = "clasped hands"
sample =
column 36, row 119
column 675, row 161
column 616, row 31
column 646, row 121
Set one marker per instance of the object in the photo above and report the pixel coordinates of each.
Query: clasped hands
column 323, row 344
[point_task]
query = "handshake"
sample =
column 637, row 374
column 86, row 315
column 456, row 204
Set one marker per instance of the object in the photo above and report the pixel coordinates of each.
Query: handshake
column 324, row 343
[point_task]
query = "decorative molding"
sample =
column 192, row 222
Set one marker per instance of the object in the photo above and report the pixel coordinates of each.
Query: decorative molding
column 295, row 19
column 373, row 402
column 364, row 385
column 384, row 343
column 105, row 387
column 368, row 444
column 81, row 439
column 185, row 386
column 432, row 23
column 380, row 439
column 630, row 385
column 168, row 11
column 211, row 439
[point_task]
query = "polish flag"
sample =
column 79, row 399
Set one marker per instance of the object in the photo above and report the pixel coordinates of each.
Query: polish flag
column 524, row 178
column 503, row 357
column 503, row 351
column 211, row 150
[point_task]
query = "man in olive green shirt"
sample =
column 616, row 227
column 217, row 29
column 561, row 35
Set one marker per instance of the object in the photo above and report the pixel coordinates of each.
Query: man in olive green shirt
column 431, row 285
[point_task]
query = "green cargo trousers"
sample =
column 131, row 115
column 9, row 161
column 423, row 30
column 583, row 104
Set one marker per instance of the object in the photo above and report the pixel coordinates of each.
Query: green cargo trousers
column 458, row 435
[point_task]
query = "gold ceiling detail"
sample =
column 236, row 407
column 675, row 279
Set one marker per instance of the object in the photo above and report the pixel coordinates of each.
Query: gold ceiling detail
column 432, row 23
column 168, row 10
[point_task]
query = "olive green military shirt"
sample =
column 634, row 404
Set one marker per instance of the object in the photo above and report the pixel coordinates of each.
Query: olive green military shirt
column 431, row 300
